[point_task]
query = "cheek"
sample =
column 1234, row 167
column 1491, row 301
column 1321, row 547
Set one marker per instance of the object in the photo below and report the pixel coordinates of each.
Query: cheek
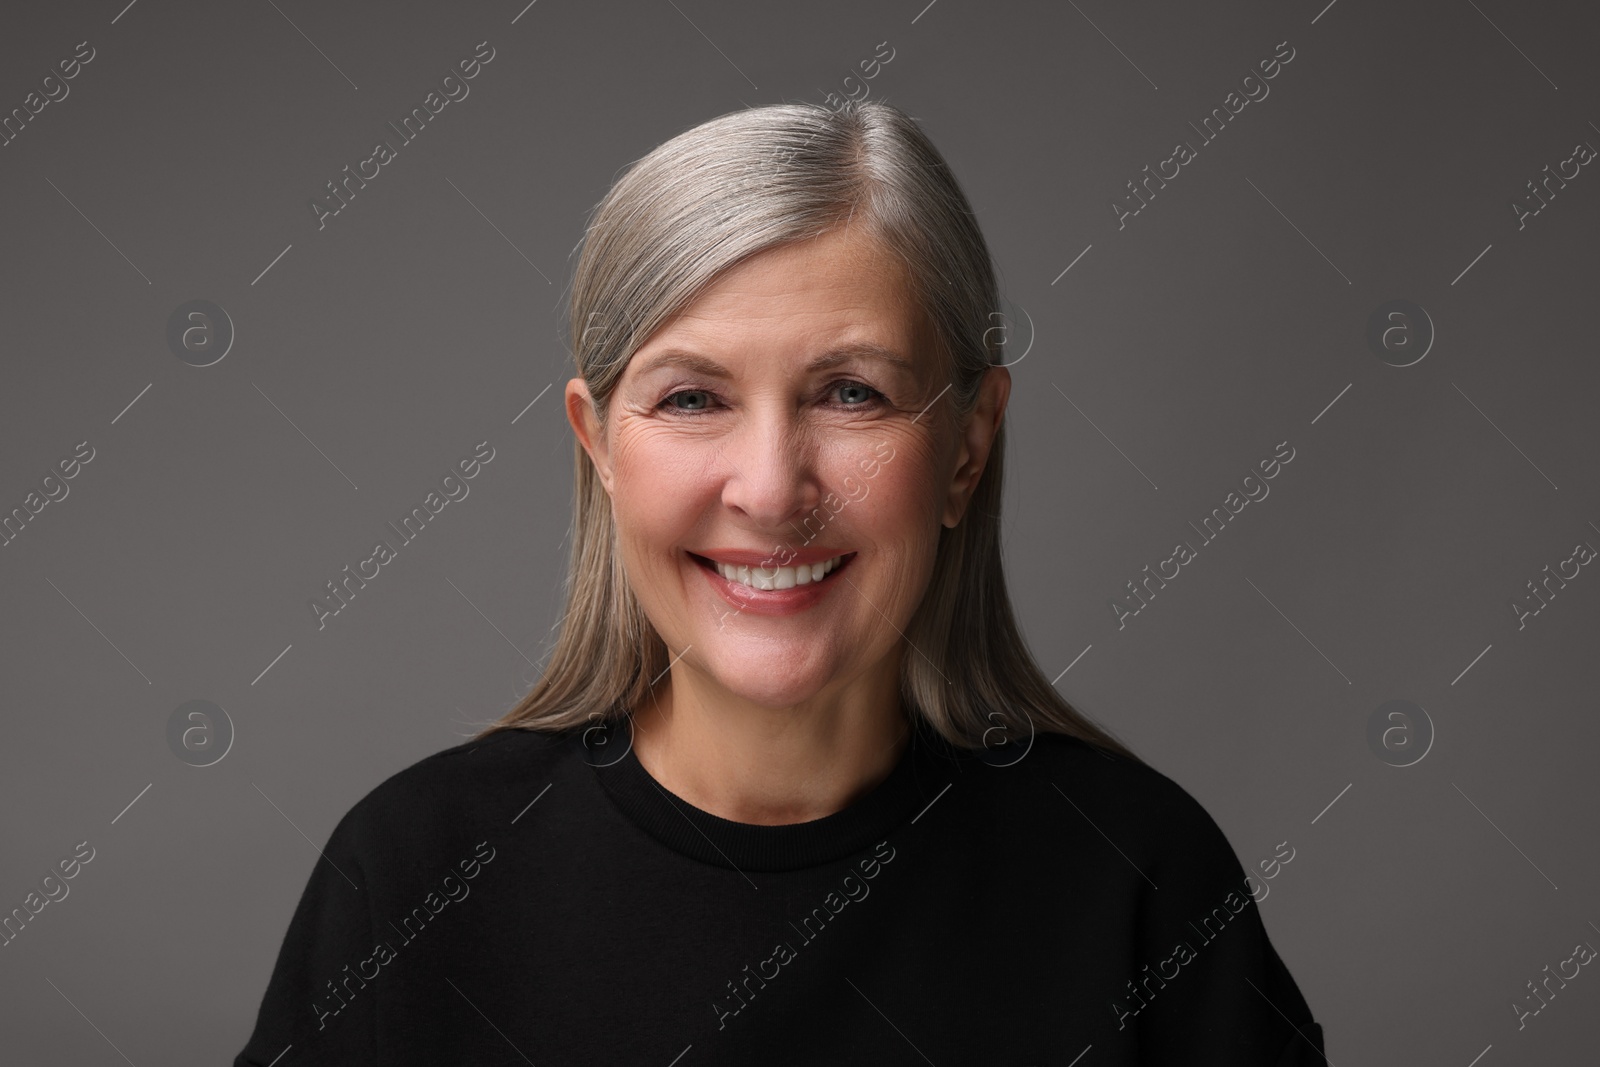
column 899, row 501
column 658, row 477
column 894, row 506
column 893, row 477
column 652, row 463
column 639, row 450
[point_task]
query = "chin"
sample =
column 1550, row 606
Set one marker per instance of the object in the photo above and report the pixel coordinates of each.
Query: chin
column 769, row 688
column 769, row 695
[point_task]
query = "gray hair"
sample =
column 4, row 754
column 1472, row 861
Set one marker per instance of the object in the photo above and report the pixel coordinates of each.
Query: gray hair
column 701, row 202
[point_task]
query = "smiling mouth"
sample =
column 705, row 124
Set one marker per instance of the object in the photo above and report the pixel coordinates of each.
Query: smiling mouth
column 775, row 577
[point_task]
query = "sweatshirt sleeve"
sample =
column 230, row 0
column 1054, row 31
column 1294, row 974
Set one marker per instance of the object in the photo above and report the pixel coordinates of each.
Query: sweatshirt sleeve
column 310, row 1008
column 1212, row 989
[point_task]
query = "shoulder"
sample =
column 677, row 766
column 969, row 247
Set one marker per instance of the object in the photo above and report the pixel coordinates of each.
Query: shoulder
column 468, row 790
column 1082, row 771
column 1144, row 813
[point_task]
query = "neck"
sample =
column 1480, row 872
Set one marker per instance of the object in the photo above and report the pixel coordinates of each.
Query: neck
column 771, row 766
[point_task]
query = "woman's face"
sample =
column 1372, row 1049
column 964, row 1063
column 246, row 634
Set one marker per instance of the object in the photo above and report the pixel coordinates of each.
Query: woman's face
column 786, row 417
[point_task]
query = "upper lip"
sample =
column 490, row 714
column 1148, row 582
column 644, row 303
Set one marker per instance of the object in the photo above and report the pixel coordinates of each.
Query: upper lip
column 785, row 557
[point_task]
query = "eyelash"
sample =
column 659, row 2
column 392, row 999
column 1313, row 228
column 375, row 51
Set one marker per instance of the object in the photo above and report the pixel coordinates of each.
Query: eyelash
column 876, row 400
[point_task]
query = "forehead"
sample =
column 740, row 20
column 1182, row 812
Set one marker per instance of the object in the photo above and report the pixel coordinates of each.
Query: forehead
column 840, row 290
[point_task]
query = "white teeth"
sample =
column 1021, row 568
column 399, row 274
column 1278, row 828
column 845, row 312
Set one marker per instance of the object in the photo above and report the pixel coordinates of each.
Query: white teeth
column 777, row 577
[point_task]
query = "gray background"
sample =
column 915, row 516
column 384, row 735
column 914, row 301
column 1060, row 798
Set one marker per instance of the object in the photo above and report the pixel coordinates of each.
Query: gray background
column 1228, row 316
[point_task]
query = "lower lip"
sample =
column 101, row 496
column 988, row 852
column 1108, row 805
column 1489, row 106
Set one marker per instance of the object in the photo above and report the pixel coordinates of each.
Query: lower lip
column 772, row 601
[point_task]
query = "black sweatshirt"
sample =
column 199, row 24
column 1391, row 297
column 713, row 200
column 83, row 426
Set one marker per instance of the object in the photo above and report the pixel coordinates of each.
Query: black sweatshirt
column 535, row 898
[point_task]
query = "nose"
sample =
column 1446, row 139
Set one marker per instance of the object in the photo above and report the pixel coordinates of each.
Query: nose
column 771, row 474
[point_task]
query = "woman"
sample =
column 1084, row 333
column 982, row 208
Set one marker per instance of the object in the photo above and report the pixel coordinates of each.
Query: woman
column 790, row 788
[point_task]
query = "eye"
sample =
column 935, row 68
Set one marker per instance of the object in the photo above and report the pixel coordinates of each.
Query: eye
column 854, row 395
column 863, row 394
column 699, row 398
column 868, row 395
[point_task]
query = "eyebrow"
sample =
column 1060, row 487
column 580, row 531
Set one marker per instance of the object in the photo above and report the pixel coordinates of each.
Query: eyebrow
column 833, row 357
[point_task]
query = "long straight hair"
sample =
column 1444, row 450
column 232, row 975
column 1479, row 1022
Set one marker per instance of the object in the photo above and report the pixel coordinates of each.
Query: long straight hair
column 698, row 204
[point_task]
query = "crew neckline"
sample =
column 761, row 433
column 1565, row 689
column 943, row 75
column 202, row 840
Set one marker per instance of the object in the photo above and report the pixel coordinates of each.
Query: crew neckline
column 925, row 767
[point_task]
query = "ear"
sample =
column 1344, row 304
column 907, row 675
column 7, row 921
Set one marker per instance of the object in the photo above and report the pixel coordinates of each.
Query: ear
column 977, row 437
column 586, row 425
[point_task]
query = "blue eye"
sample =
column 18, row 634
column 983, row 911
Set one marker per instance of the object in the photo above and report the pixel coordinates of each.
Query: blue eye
column 686, row 392
column 866, row 397
column 868, row 393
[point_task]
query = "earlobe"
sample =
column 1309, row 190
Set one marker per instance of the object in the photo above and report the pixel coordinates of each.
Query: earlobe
column 977, row 440
column 961, row 486
column 586, row 426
